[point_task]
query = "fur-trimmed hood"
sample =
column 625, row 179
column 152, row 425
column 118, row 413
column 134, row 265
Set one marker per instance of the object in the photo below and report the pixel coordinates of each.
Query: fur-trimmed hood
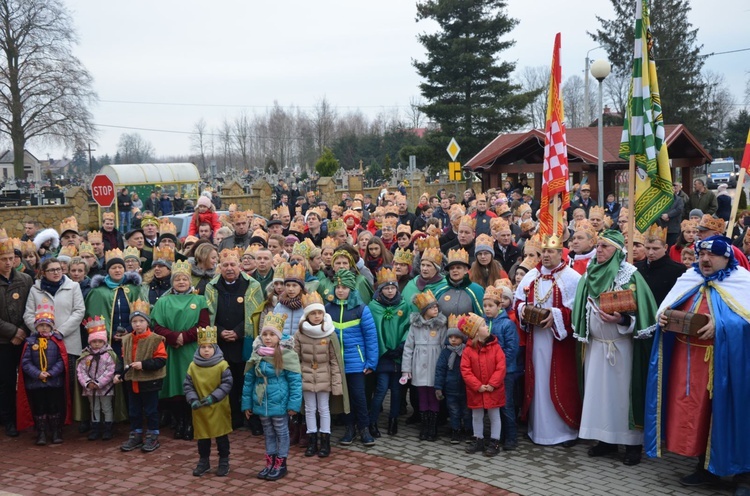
column 129, row 278
column 47, row 235
column 417, row 319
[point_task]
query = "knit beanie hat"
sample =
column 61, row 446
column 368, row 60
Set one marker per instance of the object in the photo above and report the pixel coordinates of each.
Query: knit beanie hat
column 696, row 212
column 205, row 201
column 141, row 309
column 311, row 302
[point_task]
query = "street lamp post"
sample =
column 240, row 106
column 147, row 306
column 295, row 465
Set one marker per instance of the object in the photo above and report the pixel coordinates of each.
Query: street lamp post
column 600, row 70
column 586, row 110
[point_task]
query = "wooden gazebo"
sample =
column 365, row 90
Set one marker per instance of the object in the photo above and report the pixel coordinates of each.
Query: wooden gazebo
column 520, row 153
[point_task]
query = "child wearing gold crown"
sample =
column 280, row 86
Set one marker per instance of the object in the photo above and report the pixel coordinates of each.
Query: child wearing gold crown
column 290, row 302
column 320, row 358
column 483, row 370
column 95, row 370
column 273, row 391
column 207, row 386
column 421, row 352
column 42, row 385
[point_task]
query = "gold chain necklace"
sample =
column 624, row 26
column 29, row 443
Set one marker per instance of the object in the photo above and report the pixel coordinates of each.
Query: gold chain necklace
column 540, row 300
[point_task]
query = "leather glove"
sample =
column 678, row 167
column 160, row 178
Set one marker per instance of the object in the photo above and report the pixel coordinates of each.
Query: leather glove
column 195, row 405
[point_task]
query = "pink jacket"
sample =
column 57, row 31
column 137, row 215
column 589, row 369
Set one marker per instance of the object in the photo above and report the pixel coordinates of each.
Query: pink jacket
column 97, row 367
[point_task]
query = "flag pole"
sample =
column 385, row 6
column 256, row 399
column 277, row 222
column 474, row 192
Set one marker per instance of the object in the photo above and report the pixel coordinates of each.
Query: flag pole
column 736, row 201
column 631, row 203
column 556, row 215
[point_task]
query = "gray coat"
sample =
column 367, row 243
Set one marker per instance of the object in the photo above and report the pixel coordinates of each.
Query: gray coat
column 69, row 311
column 675, row 216
column 422, row 349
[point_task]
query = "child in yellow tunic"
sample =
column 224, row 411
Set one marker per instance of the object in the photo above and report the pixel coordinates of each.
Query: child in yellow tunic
column 207, row 386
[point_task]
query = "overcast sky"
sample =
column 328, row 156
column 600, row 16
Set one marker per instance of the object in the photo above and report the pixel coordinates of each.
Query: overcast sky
column 211, row 59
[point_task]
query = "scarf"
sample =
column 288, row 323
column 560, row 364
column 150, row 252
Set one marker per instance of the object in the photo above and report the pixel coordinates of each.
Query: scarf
column 462, row 284
column 374, row 263
column 319, row 331
column 719, row 275
column 208, row 362
column 423, row 283
column 387, row 302
column 291, row 363
column 291, row 303
column 599, row 277
column 111, row 284
column 49, row 286
column 456, row 351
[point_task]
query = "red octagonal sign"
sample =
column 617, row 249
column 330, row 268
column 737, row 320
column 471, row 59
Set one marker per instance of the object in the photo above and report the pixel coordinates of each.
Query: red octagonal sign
column 103, row 190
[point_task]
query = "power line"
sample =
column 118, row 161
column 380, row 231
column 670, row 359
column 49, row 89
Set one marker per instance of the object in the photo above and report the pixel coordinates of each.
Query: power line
column 224, row 105
column 172, row 131
column 706, row 55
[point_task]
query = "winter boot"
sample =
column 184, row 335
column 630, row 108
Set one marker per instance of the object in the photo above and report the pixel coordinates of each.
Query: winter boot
column 179, row 428
column 424, row 426
column 302, row 437
column 366, row 437
column 202, row 467
column 135, row 440
column 223, row 468
column 455, row 436
column 392, row 426
column 325, row 445
column 348, row 437
column 55, row 426
column 293, row 431
column 270, row 461
column 151, row 443
column 84, row 427
column 374, row 431
column 188, row 436
column 312, row 444
column 96, row 428
column 492, row 448
column 476, row 446
column 107, row 433
column 278, row 471
column 431, row 434
column 41, row 430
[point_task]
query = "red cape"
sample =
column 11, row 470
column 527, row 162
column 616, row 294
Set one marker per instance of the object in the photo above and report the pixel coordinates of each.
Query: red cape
column 24, row 416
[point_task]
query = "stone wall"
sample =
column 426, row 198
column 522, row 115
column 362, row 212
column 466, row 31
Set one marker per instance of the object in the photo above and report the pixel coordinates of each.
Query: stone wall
column 76, row 204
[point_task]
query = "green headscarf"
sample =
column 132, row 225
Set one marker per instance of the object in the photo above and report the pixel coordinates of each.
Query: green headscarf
column 599, row 277
column 345, row 278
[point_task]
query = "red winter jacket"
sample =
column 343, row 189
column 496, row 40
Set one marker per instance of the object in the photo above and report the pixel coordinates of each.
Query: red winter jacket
column 484, row 365
column 207, row 216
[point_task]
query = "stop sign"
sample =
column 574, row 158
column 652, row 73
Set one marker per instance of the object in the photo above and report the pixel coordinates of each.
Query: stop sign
column 103, row 190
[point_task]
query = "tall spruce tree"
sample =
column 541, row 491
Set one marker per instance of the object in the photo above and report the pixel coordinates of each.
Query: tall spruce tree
column 468, row 89
column 677, row 54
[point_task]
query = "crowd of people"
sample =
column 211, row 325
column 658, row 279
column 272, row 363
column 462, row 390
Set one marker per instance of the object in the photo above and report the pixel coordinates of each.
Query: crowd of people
column 460, row 309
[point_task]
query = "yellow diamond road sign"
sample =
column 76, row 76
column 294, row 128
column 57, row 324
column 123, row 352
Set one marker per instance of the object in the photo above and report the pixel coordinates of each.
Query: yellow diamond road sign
column 453, row 149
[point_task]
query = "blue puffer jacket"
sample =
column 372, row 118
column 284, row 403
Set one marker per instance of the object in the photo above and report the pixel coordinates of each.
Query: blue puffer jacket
column 32, row 368
column 357, row 335
column 448, row 380
column 505, row 331
column 291, row 325
column 283, row 392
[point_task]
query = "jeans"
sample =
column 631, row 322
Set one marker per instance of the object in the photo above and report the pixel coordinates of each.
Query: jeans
column 386, row 381
column 508, row 412
column 276, row 432
column 124, row 221
column 458, row 411
column 317, row 402
column 145, row 402
column 10, row 357
column 357, row 400
column 222, row 444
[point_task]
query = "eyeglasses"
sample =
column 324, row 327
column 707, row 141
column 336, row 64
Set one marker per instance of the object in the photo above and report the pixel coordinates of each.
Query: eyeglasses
column 54, row 271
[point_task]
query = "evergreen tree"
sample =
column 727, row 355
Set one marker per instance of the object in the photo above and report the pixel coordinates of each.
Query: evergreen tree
column 468, row 88
column 677, row 54
column 327, row 165
column 735, row 135
column 80, row 161
column 374, row 172
column 387, row 172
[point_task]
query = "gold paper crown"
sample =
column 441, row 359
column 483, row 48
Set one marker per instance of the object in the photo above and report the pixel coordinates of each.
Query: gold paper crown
column 528, row 225
column 149, row 220
column 260, row 233
column 329, row 242
column 295, row 272
column 304, row 248
column 453, row 321
column 353, row 213
column 113, row 254
column 181, row 268
column 108, row 216
column 433, row 255
column 403, row 228
column 207, row 335
column 494, row 294
column 69, row 224
column 428, row 242
column 283, row 210
column 85, row 248
column 17, row 243
column 502, row 209
column 30, row 246
column 391, row 222
column 66, row 251
column 96, row 324
column 458, row 256
column 692, row 225
column 275, row 321
column 3, row 234
column 709, row 222
column 503, row 283
column 433, row 231
column 498, row 224
column 279, row 272
column 585, row 226
column 311, row 299
column 485, row 240
column 379, row 211
column 95, row 237
column 166, row 227
column 656, row 232
column 297, row 226
column 596, row 211
column 481, row 197
column 467, row 221
column 403, row 256
column 141, row 306
column 392, row 210
column 166, row 254
column 232, row 207
column 45, row 311
column 338, row 209
column 533, row 243
column 553, row 242
column 238, row 216
column 638, row 237
column 6, row 247
column 424, row 299
column 522, row 208
column 132, row 252
column 251, row 251
column 336, row 226
column 470, row 324
column 228, row 254
column 317, row 211
column 386, row 275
